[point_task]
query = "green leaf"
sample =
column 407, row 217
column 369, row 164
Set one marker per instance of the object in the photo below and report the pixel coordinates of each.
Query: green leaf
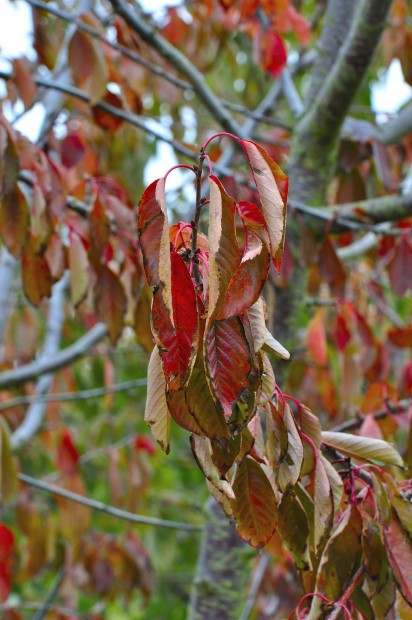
column 255, row 508
column 294, row 529
column 156, row 413
column 323, row 504
column 273, row 346
column 8, row 473
column 399, row 551
column 363, row 448
column 340, row 558
column 202, row 451
column 289, row 470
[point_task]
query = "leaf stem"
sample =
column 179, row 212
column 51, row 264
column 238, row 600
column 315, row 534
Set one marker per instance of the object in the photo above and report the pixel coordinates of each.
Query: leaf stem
column 200, row 201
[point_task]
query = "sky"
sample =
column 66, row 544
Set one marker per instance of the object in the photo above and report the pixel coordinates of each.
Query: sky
column 389, row 93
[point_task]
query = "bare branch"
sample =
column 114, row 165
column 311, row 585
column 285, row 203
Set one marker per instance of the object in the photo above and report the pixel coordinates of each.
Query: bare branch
column 392, row 131
column 41, row 613
column 291, row 93
column 180, row 62
column 64, row 397
column 255, row 585
column 35, row 413
column 383, row 209
column 110, row 510
column 30, row 372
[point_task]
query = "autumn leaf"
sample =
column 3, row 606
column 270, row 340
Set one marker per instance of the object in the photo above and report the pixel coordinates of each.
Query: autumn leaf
column 36, row 276
column 179, row 410
column 363, row 448
column 6, row 551
column 88, row 65
column 8, row 473
column 224, row 251
column 14, row 221
column 110, row 301
column 79, row 269
column 291, row 465
column 294, row 529
column 316, row 338
column 228, row 362
column 202, row 451
column 255, row 507
column 399, row 550
column 156, row 413
column 272, row 185
column 401, row 336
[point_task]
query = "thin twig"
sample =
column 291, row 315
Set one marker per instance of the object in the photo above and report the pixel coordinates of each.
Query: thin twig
column 351, row 425
column 41, row 613
column 255, row 586
column 347, row 594
column 125, row 386
column 110, row 510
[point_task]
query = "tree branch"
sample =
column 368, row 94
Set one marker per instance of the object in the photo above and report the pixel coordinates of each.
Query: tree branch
column 41, row 613
column 221, row 573
column 30, row 372
column 64, row 397
column 110, row 510
column 392, row 131
column 35, row 413
column 383, row 209
column 337, row 22
column 8, row 268
column 180, row 62
column 317, row 134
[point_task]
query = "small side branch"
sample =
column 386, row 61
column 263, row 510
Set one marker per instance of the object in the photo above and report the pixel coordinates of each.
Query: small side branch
column 110, row 510
column 8, row 268
column 41, row 613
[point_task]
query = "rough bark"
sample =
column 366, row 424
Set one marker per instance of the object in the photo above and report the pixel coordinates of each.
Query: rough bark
column 316, row 137
column 222, row 570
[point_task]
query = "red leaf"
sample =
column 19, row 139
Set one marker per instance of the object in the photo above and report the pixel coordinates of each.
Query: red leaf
column 331, row 268
column 274, row 53
column 110, row 301
column 6, row 550
column 67, row 455
column 316, row 338
column 341, row 332
column 179, row 410
column 105, row 119
column 72, row 150
column 23, row 80
column 401, row 336
column 175, row 334
column 400, row 268
column 228, row 361
column 143, row 442
column 255, row 507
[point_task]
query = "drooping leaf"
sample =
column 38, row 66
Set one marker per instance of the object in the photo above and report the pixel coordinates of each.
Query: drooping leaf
column 202, row 450
column 221, row 499
column 88, row 65
column 403, row 509
column 341, row 556
column 399, row 550
column 79, row 269
column 294, row 529
column 272, row 185
column 271, row 345
column 156, row 413
column 401, row 336
column 36, row 276
column 9, row 159
column 363, row 448
column 245, row 407
column 228, row 361
column 176, row 402
column 224, row 251
column 323, row 504
column 177, row 341
column 256, row 316
column 331, row 267
column 201, row 405
column 316, row 338
column 268, row 381
column 335, row 482
column 291, row 465
column 154, row 238
column 14, row 221
column 8, row 473
column 400, row 268
column 110, row 301
column 255, row 507
column 277, row 434
column 6, row 567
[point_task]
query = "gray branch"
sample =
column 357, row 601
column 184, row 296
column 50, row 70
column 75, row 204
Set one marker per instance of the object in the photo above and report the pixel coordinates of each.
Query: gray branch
column 110, row 510
column 180, row 62
column 65, row 357
column 35, row 413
